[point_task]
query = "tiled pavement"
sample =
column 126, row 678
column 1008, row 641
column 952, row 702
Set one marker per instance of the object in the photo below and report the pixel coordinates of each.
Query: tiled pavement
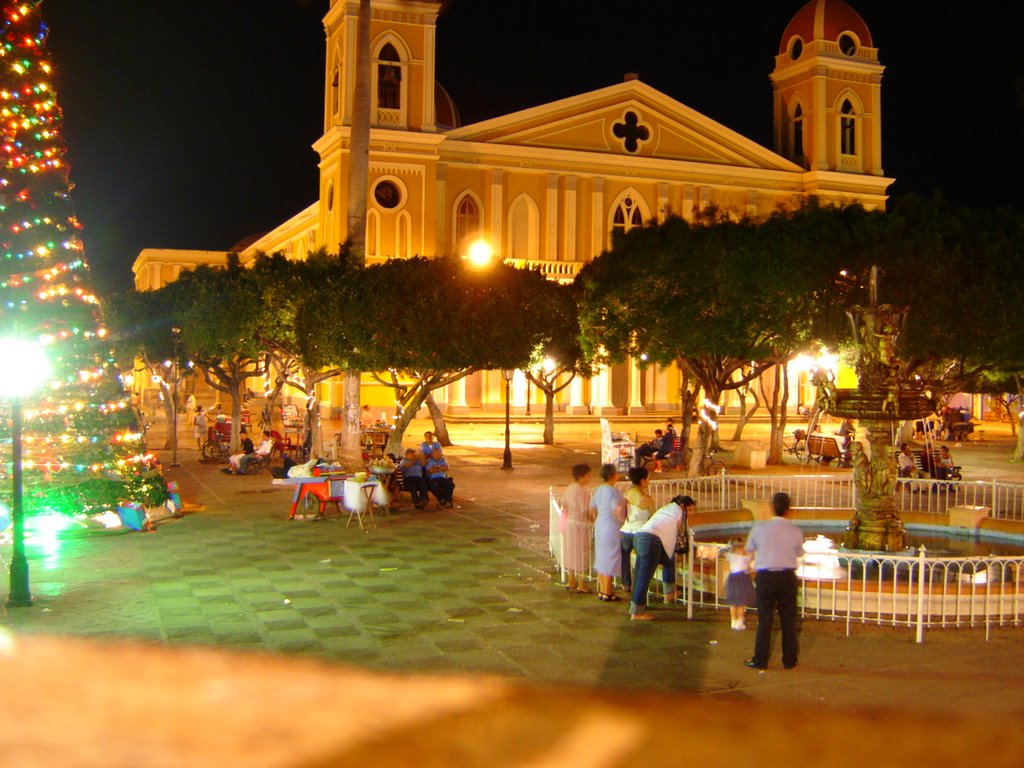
column 469, row 589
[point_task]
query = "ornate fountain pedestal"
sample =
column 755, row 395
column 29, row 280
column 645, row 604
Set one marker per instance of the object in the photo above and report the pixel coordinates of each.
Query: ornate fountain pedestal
column 882, row 398
column 876, row 525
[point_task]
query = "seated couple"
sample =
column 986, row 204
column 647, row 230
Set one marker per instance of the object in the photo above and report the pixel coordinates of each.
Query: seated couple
column 422, row 476
column 659, row 449
column 239, row 463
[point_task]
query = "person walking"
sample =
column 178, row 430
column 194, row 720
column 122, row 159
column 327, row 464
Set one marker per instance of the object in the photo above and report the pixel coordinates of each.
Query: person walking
column 776, row 545
column 609, row 510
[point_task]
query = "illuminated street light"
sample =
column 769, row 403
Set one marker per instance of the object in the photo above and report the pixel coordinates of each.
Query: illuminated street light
column 25, row 369
column 480, row 254
column 507, row 374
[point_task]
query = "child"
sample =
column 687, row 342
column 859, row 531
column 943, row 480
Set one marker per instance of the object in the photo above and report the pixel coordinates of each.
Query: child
column 739, row 588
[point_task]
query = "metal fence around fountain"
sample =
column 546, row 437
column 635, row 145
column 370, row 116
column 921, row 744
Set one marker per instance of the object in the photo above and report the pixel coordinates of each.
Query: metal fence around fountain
column 913, row 591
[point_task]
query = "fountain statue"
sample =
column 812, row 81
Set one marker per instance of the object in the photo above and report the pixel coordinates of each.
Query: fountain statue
column 881, row 399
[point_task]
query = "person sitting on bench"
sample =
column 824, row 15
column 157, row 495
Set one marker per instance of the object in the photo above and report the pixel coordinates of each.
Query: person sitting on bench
column 442, row 486
column 263, row 450
column 412, row 478
column 660, row 447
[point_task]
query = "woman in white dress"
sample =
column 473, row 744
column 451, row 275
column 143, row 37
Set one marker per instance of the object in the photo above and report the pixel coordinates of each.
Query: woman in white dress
column 574, row 523
column 609, row 508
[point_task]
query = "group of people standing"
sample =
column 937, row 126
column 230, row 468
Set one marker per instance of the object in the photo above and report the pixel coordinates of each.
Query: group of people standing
column 623, row 524
column 425, row 472
column 628, row 526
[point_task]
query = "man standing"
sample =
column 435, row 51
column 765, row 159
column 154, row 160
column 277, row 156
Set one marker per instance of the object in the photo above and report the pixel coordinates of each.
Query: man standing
column 776, row 544
column 655, row 544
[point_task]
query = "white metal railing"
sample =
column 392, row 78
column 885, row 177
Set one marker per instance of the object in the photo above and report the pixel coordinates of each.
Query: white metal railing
column 898, row 590
column 888, row 589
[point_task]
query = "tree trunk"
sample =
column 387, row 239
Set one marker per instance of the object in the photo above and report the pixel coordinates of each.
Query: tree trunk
column 745, row 415
column 440, row 428
column 549, row 417
column 689, row 399
column 705, row 436
column 170, row 442
column 1018, row 454
column 405, row 418
column 780, row 397
column 358, row 180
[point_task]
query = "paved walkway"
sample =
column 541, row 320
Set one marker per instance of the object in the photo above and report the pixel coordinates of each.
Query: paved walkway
column 472, row 590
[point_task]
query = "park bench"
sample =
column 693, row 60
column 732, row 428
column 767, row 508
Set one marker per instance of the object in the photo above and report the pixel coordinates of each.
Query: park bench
column 824, row 448
column 928, row 463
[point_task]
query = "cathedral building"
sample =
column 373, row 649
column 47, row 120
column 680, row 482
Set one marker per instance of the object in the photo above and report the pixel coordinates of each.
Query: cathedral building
column 548, row 186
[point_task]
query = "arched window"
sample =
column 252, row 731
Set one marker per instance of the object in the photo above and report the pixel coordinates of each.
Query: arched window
column 798, row 131
column 467, row 223
column 403, row 243
column 523, row 229
column 847, row 129
column 627, row 215
column 389, row 79
column 372, row 233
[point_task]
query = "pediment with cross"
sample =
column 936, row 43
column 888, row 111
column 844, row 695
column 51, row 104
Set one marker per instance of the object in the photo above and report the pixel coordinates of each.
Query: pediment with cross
column 629, row 118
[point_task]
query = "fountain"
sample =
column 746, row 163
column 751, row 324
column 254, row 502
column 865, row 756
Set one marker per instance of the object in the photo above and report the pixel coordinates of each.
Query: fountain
column 881, row 399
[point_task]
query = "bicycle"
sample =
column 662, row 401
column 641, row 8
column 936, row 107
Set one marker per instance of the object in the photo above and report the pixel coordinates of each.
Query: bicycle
column 709, row 465
column 797, row 444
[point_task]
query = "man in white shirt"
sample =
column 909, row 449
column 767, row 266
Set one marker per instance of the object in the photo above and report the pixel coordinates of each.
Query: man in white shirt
column 262, row 450
column 655, row 544
column 777, row 545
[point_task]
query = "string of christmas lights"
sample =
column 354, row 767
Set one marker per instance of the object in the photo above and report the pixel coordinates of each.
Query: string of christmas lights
column 82, row 445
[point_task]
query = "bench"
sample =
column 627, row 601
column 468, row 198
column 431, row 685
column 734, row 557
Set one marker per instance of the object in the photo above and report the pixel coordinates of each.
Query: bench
column 928, row 463
column 824, row 448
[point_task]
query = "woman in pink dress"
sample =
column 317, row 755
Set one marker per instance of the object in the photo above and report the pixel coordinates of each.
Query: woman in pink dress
column 575, row 526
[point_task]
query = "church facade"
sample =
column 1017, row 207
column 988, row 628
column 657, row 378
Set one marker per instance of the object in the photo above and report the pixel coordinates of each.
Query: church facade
column 548, row 186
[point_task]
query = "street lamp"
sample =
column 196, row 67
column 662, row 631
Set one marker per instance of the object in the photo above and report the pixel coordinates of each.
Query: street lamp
column 480, row 254
column 25, row 368
column 507, row 373
column 176, row 334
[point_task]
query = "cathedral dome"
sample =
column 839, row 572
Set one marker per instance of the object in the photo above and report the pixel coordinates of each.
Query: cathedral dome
column 831, row 20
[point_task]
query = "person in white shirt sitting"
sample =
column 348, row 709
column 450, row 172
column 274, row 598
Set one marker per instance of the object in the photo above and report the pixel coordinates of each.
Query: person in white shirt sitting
column 262, row 451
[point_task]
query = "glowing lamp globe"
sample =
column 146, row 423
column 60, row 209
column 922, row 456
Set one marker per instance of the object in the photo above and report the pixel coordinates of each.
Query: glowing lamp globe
column 24, row 367
column 480, row 253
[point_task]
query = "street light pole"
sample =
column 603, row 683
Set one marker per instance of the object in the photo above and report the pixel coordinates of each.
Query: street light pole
column 176, row 333
column 20, row 595
column 25, row 369
column 507, row 459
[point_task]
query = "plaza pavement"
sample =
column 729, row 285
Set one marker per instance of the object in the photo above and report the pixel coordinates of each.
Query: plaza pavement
column 472, row 590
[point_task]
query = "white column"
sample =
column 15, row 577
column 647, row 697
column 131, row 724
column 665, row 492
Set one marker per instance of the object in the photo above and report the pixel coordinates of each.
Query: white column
column 576, row 402
column 689, row 203
column 601, row 394
column 664, row 204
column 441, row 213
column 497, row 207
column 551, row 219
column 457, row 396
column 597, row 233
column 519, row 388
column 636, row 404
column 569, row 228
column 660, row 397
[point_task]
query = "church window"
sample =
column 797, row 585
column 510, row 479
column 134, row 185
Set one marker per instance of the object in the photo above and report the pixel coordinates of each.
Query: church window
column 847, row 44
column 847, row 129
column 467, row 222
column 798, row 131
column 389, row 79
column 631, row 132
column 796, row 48
column 627, row 216
column 387, row 194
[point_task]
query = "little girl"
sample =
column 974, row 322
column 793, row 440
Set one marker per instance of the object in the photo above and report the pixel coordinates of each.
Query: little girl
column 739, row 588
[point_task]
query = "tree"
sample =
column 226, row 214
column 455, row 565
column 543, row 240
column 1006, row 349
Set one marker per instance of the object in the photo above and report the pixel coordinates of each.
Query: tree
column 83, row 446
column 421, row 324
column 220, row 309
column 285, row 285
column 559, row 358
column 660, row 292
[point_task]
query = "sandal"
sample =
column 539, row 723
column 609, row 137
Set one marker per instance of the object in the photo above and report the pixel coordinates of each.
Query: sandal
column 608, row 598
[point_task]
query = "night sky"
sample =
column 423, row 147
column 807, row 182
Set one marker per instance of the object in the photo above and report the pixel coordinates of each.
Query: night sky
column 189, row 124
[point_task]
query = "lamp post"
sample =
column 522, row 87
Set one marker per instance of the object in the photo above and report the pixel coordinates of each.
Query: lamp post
column 176, row 334
column 25, row 368
column 507, row 373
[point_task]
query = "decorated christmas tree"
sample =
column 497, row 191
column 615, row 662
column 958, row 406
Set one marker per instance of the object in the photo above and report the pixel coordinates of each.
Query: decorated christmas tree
column 83, row 448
